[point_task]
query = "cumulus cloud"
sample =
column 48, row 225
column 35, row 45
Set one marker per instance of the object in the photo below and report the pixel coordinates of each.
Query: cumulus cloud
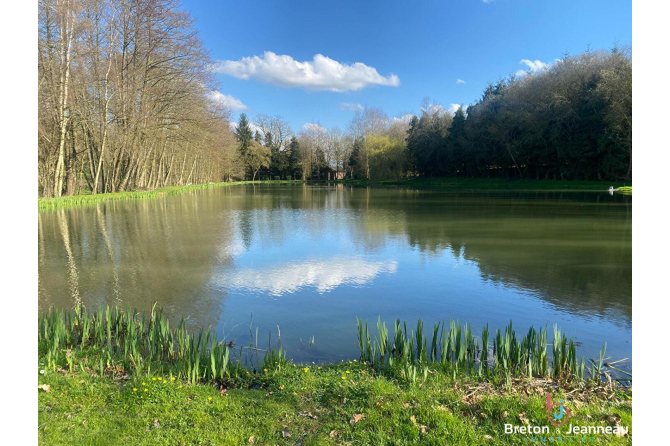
column 321, row 73
column 404, row 119
column 230, row 102
column 350, row 106
column 314, row 127
column 534, row 66
column 453, row 108
column 460, row 81
column 254, row 127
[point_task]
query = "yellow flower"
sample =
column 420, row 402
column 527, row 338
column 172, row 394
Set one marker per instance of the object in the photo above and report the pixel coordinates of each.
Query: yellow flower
column 153, row 379
column 305, row 370
column 355, row 360
column 173, row 378
column 180, row 386
column 209, row 399
column 347, row 371
column 344, row 377
column 160, row 379
column 293, row 365
column 144, row 384
column 265, row 370
column 363, row 372
column 134, row 389
column 145, row 390
column 319, row 368
column 281, row 387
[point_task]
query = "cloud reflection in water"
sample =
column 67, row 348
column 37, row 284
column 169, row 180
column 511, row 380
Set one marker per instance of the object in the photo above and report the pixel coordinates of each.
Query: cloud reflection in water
column 323, row 274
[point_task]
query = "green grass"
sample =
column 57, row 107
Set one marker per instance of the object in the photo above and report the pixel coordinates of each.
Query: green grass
column 492, row 184
column 80, row 200
column 82, row 408
column 119, row 377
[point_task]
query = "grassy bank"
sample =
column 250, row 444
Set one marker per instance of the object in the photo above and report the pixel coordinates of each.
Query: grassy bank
column 79, row 200
column 115, row 376
column 493, row 184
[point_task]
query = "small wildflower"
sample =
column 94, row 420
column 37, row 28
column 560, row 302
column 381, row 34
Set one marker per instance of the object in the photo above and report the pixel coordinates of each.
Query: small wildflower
column 144, row 384
column 363, row 372
column 180, row 386
column 134, row 389
column 344, row 377
column 347, row 371
column 265, row 370
column 153, row 379
column 313, row 362
column 281, row 387
column 145, row 390
column 160, row 379
column 319, row 368
column 293, row 365
column 173, row 378
column 209, row 399
column 355, row 360
column 42, row 372
column 305, row 370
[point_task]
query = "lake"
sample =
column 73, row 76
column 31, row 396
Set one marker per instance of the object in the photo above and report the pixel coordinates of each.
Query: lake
column 310, row 259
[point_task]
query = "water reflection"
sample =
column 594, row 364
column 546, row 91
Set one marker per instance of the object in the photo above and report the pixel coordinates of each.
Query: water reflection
column 322, row 275
column 334, row 253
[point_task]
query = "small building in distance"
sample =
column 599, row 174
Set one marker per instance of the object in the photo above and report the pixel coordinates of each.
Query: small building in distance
column 330, row 174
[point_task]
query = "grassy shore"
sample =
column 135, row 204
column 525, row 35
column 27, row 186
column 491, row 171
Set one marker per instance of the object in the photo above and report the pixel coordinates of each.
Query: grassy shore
column 79, row 200
column 494, row 184
column 120, row 377
column 346, row 403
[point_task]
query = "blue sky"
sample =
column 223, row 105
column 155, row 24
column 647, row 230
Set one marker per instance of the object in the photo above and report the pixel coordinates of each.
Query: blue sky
column 388, row 54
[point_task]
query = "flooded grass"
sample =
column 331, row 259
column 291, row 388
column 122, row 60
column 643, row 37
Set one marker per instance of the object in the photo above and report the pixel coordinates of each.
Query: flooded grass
column 44, row 204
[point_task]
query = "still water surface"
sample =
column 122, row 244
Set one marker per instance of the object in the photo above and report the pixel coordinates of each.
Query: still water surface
column 310, row 259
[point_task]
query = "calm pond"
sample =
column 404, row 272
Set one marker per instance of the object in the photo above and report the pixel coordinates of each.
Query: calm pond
column 310, row 259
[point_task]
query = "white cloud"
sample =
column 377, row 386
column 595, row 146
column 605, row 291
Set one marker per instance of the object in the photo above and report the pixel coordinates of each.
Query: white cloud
column 254, row 127
column 230, row 102
column 350, row 106
column 322, row 73
column 487, row 1
column 453, row 108
column 460, row 81
column 323, row 275
column 314, row 127
column 404, row 119
column 434, row 109
column 534, row 66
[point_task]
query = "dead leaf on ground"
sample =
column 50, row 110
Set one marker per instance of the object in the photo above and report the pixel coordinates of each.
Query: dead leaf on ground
column 333, row 434
column 308, row 415
column 522, row 417
column 424, row 429
column 285, row 433
column 356, row 418
column 413, row 418
column 406, row 405
column 488, row 437
column 251, row 439
column 45, row 387
column 156, row 424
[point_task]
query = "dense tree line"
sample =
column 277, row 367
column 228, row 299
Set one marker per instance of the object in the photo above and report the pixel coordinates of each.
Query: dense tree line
column 571, row 121
column 123, row 99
